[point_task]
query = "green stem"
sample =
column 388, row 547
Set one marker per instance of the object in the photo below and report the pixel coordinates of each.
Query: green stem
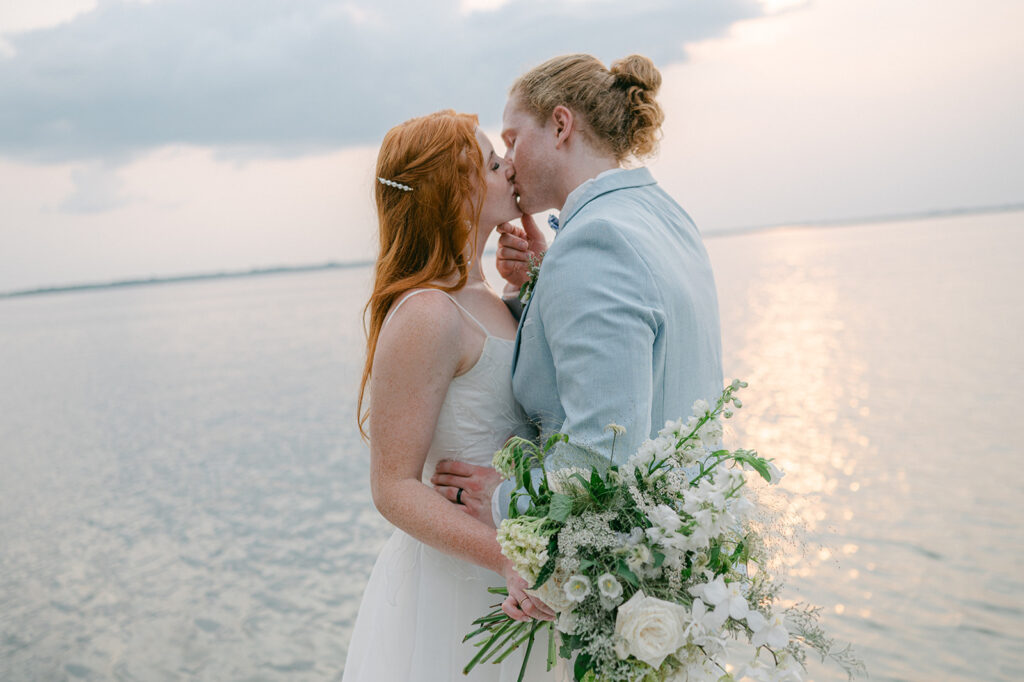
column 513, row 631
column 529, row 648
column 512, row 647
column 704, row 472
column 551, row 646
column 488, row 645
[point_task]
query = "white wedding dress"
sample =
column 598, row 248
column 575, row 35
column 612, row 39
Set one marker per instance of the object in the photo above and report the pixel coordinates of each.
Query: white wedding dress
column 420, row 602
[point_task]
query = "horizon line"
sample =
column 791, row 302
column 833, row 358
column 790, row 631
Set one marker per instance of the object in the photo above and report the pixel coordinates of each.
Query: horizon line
column 340, row 265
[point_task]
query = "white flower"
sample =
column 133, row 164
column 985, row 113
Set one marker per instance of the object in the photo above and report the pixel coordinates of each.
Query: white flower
column 638, row 556
column 563, row 480
column 698, row 671
column 552, row 592
column 577, row 588
column 773, row 633
column 665, row 517
column 609, row 586
column 711, row 435
column 523, row 544
column 650, row 629
column 735, row 601
column 742, row 507
column 727, row 599
column 645, row 454
column 787, row 670
column 755, row 621
column 616, row 429
column 775, row 473
column 700, row 407
column 566, row 622
column 504, row 463
column 621, row 648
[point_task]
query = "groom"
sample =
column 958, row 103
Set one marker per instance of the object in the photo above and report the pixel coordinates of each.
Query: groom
column 622, row 327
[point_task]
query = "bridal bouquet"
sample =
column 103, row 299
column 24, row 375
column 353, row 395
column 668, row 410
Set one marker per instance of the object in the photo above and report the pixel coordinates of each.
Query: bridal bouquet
column 651, row 567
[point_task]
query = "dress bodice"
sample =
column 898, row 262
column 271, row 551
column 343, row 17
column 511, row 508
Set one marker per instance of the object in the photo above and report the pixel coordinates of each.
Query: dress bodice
column 479, row 412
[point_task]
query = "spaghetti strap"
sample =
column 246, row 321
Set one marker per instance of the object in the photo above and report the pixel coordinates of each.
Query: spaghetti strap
column 420, row 291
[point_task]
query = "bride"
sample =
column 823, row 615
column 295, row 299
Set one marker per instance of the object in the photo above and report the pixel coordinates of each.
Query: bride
column 439, row 353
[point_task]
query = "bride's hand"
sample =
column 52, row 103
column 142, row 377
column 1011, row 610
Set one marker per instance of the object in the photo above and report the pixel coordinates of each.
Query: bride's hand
column 516, row 246
column 476, row 483
column 519, row 605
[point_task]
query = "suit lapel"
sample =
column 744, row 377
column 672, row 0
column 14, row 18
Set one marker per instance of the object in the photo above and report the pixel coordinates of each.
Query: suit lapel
column 519, row 333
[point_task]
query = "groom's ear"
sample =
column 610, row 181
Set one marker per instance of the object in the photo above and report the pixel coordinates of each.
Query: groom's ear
column 564, row 124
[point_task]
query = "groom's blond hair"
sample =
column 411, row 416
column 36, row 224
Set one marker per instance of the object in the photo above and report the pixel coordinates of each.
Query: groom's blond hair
column 618, row 104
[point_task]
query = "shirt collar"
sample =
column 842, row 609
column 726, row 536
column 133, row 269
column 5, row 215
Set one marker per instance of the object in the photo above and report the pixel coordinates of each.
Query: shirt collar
column 608, row 181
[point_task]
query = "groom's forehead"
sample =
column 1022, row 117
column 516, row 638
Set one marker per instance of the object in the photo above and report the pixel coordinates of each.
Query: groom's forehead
column 514, row 119
column 507, row 120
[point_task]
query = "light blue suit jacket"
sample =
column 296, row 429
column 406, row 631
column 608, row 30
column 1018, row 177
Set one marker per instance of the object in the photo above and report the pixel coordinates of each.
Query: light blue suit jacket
column 622, row 326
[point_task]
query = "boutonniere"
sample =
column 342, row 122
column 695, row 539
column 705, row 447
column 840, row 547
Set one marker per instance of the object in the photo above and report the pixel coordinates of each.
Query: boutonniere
column 526, row 291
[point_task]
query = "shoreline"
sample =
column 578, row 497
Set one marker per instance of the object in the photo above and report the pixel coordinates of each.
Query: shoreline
column 336, row 265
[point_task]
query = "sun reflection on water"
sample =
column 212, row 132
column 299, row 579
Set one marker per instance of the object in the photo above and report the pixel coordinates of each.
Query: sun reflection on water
column 804, row 381
column 881, row 364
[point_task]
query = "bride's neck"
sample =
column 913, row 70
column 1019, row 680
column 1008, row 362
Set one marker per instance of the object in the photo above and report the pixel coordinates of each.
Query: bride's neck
column 475, row 259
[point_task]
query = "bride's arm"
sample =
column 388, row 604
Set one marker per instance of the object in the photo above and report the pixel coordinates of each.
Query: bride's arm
column 417, row 356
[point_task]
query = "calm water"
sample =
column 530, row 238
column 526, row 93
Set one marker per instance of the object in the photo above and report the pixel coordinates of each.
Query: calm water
column 183, row 494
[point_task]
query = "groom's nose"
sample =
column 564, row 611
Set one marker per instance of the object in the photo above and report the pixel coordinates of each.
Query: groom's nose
column 510, row 172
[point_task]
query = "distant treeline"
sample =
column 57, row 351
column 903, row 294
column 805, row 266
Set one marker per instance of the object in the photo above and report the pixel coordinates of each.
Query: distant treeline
column 189, row 278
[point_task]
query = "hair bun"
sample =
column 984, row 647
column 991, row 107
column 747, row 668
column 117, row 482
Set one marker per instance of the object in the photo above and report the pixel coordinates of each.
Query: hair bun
column 618, row 104
column 637, row 70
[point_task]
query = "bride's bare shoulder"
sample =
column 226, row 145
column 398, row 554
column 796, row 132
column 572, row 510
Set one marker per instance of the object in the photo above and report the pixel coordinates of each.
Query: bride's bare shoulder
column 425, row 320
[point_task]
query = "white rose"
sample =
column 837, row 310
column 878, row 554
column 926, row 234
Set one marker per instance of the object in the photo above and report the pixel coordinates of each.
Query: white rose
column 650, row 628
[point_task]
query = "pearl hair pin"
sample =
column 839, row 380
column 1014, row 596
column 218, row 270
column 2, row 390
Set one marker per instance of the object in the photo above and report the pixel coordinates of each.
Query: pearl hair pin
column 396, row 185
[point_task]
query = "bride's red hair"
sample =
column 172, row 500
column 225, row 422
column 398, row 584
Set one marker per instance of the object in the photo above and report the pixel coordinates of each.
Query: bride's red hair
column 423, row 233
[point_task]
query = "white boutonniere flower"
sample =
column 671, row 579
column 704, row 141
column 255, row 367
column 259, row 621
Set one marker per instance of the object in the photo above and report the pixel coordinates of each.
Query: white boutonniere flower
column 526, row 291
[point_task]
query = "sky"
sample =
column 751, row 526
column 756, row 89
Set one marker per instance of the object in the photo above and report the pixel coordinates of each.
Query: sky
column 147, row 138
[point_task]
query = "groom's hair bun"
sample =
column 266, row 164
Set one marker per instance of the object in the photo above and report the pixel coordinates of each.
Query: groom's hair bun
column 641, row 80
column 618, row 105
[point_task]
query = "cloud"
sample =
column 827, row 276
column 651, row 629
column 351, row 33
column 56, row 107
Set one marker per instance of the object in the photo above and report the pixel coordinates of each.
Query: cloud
column 97, row 188
column 290, row 77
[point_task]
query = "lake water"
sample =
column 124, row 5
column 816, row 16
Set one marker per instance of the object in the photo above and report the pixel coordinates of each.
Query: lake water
column 184, row 495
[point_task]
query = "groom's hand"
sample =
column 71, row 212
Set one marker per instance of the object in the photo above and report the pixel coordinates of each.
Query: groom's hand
column 516, row 246
column 477, row 484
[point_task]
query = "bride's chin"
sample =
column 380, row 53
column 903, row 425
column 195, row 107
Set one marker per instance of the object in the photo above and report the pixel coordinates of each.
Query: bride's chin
column 507, row 218
column 515, row 213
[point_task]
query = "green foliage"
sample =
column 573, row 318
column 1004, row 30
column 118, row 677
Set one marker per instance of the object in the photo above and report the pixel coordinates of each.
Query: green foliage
column 559, row 507
column 581, row 669
column 549, row 566
column 623, row 570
